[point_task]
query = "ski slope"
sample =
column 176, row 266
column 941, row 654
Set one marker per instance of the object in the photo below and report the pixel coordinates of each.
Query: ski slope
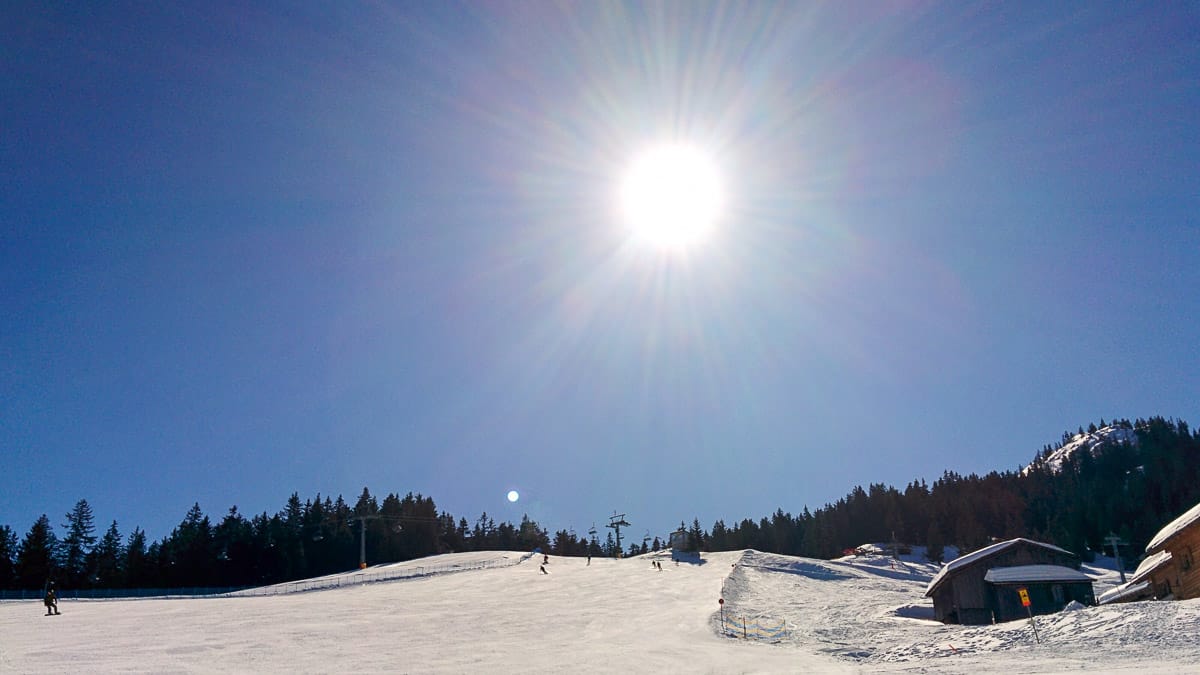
column 483, row 612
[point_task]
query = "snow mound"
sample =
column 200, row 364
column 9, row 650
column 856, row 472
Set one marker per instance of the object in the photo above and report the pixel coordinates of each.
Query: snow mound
column 409, row 569
column 923, row 612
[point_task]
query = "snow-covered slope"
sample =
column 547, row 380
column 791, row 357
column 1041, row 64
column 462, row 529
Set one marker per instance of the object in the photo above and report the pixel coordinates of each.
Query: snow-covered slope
column 1085, row 441
column 848, row 615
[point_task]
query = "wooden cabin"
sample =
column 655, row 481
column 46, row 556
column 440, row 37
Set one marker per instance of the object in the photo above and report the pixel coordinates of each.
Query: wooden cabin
column 1178, row 577
column 983, row 586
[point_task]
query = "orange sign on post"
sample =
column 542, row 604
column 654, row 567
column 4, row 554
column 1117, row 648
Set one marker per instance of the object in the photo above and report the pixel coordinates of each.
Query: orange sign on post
column 1025, row 601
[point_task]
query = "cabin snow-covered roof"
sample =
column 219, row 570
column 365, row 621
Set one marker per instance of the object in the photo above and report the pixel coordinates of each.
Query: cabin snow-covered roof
column 1035, row 574
column 1150, row 564
column 1123, row 591
column 1174, row 527
column 977, row 555
column 1138, row 583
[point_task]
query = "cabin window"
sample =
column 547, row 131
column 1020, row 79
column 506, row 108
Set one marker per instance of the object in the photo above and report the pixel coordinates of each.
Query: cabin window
column 1057, row 590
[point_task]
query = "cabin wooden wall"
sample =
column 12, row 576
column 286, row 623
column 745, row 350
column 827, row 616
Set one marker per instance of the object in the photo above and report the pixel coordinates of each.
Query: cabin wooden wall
column 1185, row 563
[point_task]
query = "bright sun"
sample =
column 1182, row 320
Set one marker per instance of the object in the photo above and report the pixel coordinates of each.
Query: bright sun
column 671, row 196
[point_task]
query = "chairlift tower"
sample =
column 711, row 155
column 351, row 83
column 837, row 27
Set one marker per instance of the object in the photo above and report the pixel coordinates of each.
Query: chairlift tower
column 1113, row 540
column 616, row 522
column 362, row 539
column 396, row 520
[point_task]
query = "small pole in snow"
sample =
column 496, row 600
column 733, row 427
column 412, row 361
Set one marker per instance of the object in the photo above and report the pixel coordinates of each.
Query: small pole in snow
column 721, row 602
column 744, row 635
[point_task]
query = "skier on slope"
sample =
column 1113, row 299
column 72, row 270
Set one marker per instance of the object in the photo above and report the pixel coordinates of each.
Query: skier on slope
column 51, row 599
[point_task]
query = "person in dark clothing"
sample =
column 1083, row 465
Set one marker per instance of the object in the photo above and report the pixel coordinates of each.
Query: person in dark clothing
column 543, row 569
column 51, row 600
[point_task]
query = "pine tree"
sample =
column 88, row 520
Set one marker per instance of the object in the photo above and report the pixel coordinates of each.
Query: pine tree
column 191, row 549
column 77, row 544
column 37, row 555
column 107, row 557
column 8, row 555
column 233, row 540
column 718, row 540
column 563, row 543
column 366, row 504
column 292, row 540
column 530, row 536
column 695, row 536
column 137, row 564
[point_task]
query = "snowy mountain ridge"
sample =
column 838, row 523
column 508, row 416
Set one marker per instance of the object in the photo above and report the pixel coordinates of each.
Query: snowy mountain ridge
column 1089, row 441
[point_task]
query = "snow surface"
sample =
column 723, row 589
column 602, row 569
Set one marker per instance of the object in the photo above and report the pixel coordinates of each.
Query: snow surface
column 863, row 614
column 1086, row 441
column 978, row 554
column 1173, row 528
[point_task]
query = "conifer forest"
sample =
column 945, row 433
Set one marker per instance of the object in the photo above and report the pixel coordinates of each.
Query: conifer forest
column 1131, row 488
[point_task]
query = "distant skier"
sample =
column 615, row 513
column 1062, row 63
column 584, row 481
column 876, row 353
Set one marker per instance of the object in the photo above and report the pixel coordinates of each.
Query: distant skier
column 543, row 569
column 545, row 558
column 589, row 560
column 51, row 600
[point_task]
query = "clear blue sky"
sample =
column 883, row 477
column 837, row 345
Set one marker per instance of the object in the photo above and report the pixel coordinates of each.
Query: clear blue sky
column 319, row 246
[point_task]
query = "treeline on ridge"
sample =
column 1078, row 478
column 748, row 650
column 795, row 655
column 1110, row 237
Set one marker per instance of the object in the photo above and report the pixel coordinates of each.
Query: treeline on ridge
column 305, row 539
column 1130, row 489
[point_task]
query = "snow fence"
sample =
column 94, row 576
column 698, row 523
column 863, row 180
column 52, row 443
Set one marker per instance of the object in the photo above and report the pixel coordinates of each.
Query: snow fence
column 736, row 619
